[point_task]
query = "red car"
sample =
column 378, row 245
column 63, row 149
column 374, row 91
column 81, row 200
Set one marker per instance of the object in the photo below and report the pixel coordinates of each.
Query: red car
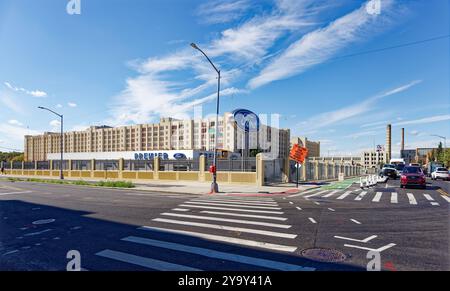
column 412, row 176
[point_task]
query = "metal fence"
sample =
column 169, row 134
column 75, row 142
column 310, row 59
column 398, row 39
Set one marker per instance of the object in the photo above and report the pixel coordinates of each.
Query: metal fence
column 237, row 165
column 106, row 165
column 81, row 165
column 44, row 165
column 57, row 165
column 179, row 165
column 137, row 165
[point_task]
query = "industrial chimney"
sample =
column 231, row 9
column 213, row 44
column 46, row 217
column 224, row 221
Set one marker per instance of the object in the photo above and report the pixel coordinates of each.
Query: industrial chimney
column 403, row 139
column 388, row 143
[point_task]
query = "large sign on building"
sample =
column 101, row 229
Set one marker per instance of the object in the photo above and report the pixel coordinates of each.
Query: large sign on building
column 140, row 155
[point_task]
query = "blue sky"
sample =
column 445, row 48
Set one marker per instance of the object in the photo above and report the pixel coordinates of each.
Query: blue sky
column 126, row 62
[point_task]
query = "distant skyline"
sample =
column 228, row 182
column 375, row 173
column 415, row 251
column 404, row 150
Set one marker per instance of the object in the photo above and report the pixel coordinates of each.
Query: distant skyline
column 334, row 72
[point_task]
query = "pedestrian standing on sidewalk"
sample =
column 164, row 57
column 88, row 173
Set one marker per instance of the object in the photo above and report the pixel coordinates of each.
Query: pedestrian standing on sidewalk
column 3, row 170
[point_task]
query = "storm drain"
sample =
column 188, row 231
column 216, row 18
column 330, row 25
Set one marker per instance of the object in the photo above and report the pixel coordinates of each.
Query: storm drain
column 324, row 255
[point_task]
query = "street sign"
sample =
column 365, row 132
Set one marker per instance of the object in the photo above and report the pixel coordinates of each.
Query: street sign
column 298, row 153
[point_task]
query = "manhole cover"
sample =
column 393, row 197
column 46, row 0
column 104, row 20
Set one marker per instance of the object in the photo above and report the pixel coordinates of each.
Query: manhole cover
column 43, row 221
column 324, row 255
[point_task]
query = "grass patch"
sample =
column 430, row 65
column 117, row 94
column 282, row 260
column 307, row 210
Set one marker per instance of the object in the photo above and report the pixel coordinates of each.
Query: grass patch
column 114, row 184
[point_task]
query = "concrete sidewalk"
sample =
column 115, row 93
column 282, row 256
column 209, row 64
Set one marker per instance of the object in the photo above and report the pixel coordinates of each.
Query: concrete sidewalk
column 191, row 187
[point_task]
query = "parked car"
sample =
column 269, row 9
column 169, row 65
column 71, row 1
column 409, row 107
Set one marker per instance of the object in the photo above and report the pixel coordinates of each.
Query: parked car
column 413, row 176
column 440, row 173
column 390, row 173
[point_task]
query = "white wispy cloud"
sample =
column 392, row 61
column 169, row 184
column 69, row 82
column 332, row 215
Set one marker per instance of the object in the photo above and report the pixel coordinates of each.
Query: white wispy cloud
column 222, row 11
column 158, row 90
column 72, row 104
column 14, row 134
column 322, row 44
column 333, row 117
column 34, row 93
column 11, row 103
column 15, row 122
column 426, row 120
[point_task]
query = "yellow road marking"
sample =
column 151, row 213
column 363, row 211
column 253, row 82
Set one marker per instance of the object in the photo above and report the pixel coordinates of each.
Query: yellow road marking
column 443, row 192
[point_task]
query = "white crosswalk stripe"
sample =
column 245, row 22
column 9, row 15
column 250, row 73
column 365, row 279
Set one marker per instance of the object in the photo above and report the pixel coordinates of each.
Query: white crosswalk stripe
column 231, row 209
column 245, row 215
column 361, row 196
column 226, row 239
column 240, row 221
column 238, row 202
column 330, row 194
column 224, row 227
column 144, row 262
column 377, row 197
column 429, row 198
column 344, row 195
column 316, row 194
column 412, row 200
column 219, row 255
column 224, row 204
column 394, row 197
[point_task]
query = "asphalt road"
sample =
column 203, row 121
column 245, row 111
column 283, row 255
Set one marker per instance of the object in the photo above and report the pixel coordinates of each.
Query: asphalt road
column 134, row 230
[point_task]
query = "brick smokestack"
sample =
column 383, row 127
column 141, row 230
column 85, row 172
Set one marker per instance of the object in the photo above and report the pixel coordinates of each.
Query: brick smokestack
column 388, row 143
column 403, row 139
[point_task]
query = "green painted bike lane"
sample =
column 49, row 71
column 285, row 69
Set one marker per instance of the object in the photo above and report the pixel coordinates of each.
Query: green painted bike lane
column 340, row 184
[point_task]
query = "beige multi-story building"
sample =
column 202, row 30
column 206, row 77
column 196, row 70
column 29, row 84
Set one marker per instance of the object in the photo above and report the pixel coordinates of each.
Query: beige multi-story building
column 373, row 159
column 312, row 146
column 168, row 134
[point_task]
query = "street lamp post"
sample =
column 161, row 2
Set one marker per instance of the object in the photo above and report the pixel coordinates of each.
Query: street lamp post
column 214, row 185
column 442, row 137
column 61, row 175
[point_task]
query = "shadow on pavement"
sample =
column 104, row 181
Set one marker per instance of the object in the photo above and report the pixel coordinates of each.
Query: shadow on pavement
column 44, row 244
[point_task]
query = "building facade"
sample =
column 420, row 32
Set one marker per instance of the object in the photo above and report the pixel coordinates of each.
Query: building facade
column 372, row 159
column 168, row 134
column 312, row 146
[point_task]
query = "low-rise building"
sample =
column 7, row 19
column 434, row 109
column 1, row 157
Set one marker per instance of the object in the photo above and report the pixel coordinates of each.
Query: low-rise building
column 168, row 134
column 373, row 159
column 312, row 146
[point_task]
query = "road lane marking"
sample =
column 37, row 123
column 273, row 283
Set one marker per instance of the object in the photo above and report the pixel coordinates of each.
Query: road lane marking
column 37, row 233
column 144, row 262
column 245, row 215
column 355, row 221
column 241, row 221
column 317, row 203
column 411, row 198
column 180, row 209
column 210, row 253
column 232, row 240
column 316, row 194
column 429, row 198
column 360, row 196
column 330, row 194
column 15, row 193
column 291, row 202
column 240, row 206
column 232, row 209
column 446, row 198
column 10, row 252
column 231, row 228
column 331, row 209
column 394, row 197
column 379, row 250
column 366, row 240
column 344, row 195
column 298, row 208
column 219, row 199
column 304, row 192
column 312, row 220
column 377, row 197
column 235, row 202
